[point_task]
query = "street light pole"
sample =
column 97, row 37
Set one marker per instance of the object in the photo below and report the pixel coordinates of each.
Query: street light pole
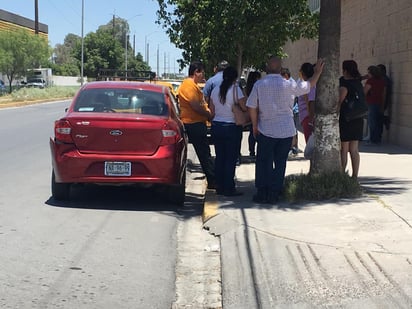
column 82, row 52
column 126, row 43
column 36, row 16
column 126, row 54
column 157, row 73
column 146, row 44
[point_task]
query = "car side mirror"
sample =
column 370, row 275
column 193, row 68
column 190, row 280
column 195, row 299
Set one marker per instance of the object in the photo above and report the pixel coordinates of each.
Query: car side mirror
column 66, row 109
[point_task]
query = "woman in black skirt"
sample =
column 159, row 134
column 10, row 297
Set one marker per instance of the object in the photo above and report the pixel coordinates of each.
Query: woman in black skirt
column 351, row 132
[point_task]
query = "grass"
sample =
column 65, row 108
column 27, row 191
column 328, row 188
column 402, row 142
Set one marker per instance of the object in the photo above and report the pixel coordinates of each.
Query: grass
column 34, row 94
column 334, row 185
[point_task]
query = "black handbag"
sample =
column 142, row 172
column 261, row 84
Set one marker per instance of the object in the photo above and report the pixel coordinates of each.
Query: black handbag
column 354, row 105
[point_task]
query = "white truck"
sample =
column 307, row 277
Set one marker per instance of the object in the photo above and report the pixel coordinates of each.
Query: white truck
column 41, row 76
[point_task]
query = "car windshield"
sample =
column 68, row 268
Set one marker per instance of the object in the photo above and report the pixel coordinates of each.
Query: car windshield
column 136, row 101
column 34, row 80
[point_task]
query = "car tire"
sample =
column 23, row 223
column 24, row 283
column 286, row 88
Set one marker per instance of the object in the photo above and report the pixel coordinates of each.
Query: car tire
column 177, row 193
column 60, row 191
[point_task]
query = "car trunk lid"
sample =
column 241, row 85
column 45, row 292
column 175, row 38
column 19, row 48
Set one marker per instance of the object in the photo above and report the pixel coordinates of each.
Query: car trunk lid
column 117, row 133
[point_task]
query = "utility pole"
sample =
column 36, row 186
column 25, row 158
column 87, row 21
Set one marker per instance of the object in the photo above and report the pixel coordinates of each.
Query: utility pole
column 36, row 16
column 164, row 64
column 125, row 48
column 82, row 56
column 157, row 73
column 114, row 26
column 134, row 45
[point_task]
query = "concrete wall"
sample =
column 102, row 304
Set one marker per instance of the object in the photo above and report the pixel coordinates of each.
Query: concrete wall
column 54, row 80
column 66, row 80
column 373, row 32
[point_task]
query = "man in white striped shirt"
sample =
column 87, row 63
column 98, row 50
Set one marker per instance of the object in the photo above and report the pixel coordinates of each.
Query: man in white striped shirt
column 271, row 111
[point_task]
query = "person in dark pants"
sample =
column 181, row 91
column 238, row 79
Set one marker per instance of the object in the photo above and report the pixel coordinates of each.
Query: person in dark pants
column 387, row 108
column 225, row 133
column 194, row 113
column 270, row 105
column 276, row 152
column 251, row 80
column 375, row 92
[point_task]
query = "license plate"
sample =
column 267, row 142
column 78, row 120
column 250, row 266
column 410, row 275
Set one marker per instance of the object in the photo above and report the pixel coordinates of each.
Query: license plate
column 117, row 168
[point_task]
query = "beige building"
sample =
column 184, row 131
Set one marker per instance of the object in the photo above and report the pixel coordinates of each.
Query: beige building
column 373, row 32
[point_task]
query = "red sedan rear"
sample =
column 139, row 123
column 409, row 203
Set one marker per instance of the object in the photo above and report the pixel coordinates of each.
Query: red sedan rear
column 120, row 133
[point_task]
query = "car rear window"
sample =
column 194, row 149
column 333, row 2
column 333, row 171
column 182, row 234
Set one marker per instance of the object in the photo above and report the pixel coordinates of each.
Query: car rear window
column 136, row 101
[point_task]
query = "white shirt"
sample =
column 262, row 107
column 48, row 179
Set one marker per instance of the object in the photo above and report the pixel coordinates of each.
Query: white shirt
column 273, row 95
column 223, row 112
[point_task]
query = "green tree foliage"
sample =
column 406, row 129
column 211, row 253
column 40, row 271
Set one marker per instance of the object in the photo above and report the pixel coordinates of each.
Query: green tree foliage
column 63, row 61
column 118, row 28
column 65, row 69
column 63, row 53
column 242, row 31
column 136, row 63
column 21, row 50
column 100, row 51
column 105, row 49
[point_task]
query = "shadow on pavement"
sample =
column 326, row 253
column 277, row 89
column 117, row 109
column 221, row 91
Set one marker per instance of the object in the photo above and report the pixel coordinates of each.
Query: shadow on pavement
column 383, row 148
column 384, row 186
column 129, row 198
column 371, row 185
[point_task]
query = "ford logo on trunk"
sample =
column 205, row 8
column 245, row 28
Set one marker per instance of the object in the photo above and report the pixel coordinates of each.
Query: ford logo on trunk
column 116, row 132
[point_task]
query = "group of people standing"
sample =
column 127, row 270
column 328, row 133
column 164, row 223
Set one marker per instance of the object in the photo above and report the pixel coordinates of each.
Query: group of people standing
column 269, row 101
column 376, row 91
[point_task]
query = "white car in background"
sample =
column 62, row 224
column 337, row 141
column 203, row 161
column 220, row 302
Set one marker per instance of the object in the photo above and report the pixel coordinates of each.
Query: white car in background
column 35, row 83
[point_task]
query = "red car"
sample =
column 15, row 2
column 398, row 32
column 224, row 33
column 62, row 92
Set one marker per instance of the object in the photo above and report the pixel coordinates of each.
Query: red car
column 120, row 133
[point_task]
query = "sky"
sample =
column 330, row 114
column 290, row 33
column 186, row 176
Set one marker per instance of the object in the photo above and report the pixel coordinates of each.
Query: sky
column 65, row 16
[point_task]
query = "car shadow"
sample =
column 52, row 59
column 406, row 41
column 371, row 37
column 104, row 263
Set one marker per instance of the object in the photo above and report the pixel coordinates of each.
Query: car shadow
column 128, row 198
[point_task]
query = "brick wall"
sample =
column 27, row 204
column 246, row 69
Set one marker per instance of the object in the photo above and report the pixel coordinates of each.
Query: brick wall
column 373, row 32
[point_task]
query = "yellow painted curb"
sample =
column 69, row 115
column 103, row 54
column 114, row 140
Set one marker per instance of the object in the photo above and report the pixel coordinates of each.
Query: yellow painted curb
column 211, row 205
column 28, row 102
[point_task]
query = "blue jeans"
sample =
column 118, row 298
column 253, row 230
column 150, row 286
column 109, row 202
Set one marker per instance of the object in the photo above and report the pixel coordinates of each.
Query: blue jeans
column 375, row 120
column 251, row 141
column 271, row 158
column 226, row 137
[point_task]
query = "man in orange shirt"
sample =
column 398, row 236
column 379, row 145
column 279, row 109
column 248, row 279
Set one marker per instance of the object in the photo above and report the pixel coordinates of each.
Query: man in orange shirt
column 194, row 113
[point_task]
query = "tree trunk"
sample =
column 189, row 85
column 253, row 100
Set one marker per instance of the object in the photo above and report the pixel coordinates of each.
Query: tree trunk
column 326, row 156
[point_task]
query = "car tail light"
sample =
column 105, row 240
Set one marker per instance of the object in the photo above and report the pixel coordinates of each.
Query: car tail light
column 170, row 135
column 62, row 131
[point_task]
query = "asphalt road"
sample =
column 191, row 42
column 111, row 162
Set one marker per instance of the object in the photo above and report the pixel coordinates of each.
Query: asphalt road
column 109, row 247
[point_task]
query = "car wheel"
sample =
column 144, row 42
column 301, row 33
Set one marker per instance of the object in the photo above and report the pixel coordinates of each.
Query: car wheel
column 177, row 193
column 60, row 191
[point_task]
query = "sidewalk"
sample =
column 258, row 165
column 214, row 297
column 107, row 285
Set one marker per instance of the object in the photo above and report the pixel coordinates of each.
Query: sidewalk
column 348, row 253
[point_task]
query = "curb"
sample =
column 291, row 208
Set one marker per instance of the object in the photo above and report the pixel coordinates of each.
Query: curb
column 25, row 103
column 211, row 206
